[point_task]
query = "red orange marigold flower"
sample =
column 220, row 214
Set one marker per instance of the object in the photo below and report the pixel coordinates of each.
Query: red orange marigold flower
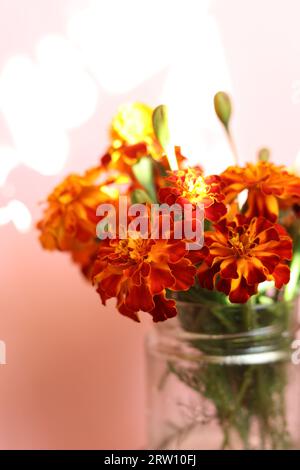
column 240, row 254
column 189, row 186
column 138, row 271
column 270, row 187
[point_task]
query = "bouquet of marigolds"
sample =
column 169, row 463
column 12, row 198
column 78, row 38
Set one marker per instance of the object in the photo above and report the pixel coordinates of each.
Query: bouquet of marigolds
column 215, row 261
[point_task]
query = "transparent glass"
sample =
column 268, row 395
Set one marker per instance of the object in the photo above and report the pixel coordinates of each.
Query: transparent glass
column 222, row 377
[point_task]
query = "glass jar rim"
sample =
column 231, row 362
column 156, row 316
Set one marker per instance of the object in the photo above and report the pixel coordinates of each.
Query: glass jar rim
column 195, row 334
column 173, row 327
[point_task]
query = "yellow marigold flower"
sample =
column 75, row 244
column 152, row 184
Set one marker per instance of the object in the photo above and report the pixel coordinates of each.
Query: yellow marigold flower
column 133, row 124
column 132, row 138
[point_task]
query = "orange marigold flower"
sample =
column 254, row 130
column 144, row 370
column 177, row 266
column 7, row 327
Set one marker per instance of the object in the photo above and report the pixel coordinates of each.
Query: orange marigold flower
column 70, row 218
column 122, row 156
column 270, row 187
column 189, row 186
column 240, row 254
column 138, row 271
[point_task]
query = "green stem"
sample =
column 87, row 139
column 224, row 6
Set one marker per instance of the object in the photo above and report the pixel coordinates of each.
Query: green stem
column 248, row 316
column 232, row 146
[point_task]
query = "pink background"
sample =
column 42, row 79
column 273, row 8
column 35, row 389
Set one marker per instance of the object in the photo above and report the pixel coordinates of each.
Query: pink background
column 74, row 376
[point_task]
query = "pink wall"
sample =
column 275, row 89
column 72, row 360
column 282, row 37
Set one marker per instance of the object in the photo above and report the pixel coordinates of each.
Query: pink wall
column 74, row 376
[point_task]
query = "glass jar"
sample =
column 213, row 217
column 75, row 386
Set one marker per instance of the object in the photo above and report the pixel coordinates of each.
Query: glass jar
column 222, row 377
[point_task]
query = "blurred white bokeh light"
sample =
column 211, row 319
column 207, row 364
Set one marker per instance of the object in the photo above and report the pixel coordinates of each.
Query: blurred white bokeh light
column 43, row 99
column 71, row 93
column 17, row 213
column 40, row 145
column 199, row 71
column 113, row 47
column 127, row 42
column 8, row 161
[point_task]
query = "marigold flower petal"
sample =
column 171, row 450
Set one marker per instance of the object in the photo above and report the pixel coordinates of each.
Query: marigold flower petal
column 164, row 308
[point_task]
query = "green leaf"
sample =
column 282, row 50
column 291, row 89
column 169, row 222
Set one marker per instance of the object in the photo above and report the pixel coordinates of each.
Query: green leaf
column 143, row 171
column 161, row 125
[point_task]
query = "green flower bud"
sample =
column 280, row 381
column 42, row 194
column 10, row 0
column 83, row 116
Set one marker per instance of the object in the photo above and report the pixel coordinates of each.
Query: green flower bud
column 223, row 107
column 161, row 126
column 264, row 155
